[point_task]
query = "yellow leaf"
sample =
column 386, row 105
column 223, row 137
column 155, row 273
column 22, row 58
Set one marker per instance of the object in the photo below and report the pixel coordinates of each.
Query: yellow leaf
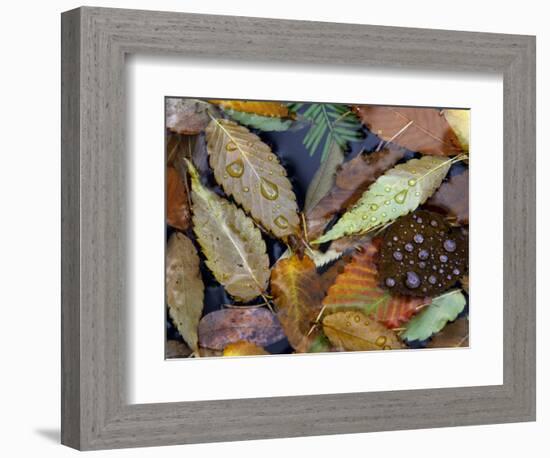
column 353, row 331
column 243, row 348
column 273, row 109
column 248, row 171
column 234, row 249
column 459, row 120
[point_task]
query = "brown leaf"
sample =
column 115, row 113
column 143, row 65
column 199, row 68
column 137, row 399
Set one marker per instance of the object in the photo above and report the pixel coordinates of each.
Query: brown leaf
column 209, row 353
column 297, row 292
column 424, row 130
column 353, row 331
column 177, row 201
column 455, row 334
column 273, row 109
column 222, row 327
column 353, row 178
column 243, row 348
column 452, row 199
column 465, row 281
column 187, row 116
column 176, row 349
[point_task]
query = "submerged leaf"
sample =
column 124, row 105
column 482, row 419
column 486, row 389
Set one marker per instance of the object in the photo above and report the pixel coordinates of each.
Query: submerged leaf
column 272, row 109
column 220, row 328
column 350, row 182
column 184, row 287
column 297, row 293
column 265, row 123
column 187, row 116
column 418, row 129
column 396, row 193
column 234, row 249
column 430, row 320
column 459, row 120
column 177, row 203
column 353, row 331
column 323, row 180
column 243, row 348
column 455, row 334
column 250, row 173
column 452, row 199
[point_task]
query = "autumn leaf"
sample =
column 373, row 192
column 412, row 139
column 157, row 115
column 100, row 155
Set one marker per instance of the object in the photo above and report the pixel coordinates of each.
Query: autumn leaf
column 433, row 318
column 243, row 348
column 323, row 180
column 455, row 334
column 177, row 203
column 351, row 180
column 465, row 282
column 353, row 331
column 176, row 349
column 249, row 172
column 187, row 116
column 424, row 130
column 257, row 325
column 396, row 193
column 184, row 287
column 452, row 199
column 271, row 109
column 459, row 120
column 264, row 123
column 233, row 246
column 297, row 294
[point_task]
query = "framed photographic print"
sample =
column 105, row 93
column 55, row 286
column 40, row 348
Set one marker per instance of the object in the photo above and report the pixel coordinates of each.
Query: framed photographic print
column 346, row 218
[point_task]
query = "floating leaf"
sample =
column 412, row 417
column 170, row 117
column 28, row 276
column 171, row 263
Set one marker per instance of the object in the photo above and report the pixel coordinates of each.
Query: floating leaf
column 234, row 249
column 184, row 287
column 187, row 116
column 271, row 109
column 250, row 173
column 329, row 123
column 418, row 129
column 396, row 193
column 177, row 203
column 323, row 180
column 243, row 348
column 431, row 319
column 350, row 182
column 265, row 123
column 452, row 198
column 176, row 349
column 258, row 326
column 353, row 331
column 297, row 293
column 459, row 120
column 455, row 334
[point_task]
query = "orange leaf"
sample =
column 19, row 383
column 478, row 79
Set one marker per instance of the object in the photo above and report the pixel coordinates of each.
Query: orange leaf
column 177, row 204
column 273, row 109
column 243, row 348
column 424, row 130
column 297, row 292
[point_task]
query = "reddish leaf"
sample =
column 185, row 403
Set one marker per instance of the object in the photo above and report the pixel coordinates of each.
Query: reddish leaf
column 187, row 116
column 399, row 310
column 352, row 179
column 452, row 199
column 177, row 203
column 424, row 130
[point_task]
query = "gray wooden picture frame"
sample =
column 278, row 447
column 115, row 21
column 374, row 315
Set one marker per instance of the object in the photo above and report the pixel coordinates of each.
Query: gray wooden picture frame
column 95, row 41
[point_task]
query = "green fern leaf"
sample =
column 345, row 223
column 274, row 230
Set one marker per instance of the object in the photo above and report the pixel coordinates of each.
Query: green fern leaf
column 396, row 193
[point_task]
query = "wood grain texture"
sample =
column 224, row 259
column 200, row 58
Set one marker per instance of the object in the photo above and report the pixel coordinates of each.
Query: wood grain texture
column 96, row 414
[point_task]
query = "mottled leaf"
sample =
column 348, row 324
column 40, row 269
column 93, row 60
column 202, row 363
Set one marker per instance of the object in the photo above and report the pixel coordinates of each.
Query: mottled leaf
column 455, row 334
column 220, row 328
column 459, row 120
column 272, row 109
column 184, row 287
column 418, row 129
column 452, row 199
column 265, row 123
column 176, row 349
column 233, row 246
column 297, row 294
column 243, row 348
column 351, row 180
column 431, row 319
column 396, row 193
column 353, row 331
column 187, row 116
column 177, row 202
column 323, row 180
column 250, row 173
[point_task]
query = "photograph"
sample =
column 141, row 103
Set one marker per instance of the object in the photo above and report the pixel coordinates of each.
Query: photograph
column 310, row 227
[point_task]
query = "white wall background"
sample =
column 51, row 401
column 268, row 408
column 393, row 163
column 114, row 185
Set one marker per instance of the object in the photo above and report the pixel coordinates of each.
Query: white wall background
column 29, row 228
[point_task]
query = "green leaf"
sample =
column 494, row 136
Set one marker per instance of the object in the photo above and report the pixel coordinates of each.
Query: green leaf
column 434, row 317
column 264, row 123
column 399, row 191
column 323, row 180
